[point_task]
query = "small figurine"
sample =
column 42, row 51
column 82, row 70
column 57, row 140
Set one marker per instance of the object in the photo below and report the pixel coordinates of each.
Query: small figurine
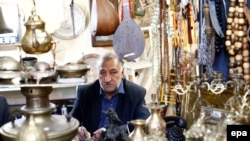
column 114, row 131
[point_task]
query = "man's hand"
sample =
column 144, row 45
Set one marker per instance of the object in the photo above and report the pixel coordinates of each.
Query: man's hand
column 97, row 134
column 83, row 134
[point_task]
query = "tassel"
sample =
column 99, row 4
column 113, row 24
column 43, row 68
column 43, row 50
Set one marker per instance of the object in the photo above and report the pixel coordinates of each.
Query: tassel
column 203, row 48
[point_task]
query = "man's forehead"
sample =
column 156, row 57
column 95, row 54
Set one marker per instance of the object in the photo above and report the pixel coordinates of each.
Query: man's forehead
column 114, row 61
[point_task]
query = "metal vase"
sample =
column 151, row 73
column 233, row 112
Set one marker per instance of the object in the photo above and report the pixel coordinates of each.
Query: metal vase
column 155, row 124
column 138, row 133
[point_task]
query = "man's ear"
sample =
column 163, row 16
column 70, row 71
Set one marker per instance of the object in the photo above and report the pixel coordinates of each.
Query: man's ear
column 123, row 72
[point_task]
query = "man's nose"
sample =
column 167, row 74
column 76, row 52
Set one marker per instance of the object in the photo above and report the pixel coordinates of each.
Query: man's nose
column 107, row 78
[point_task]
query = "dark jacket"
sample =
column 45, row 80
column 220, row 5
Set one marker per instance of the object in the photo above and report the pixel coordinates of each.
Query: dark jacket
column 5, row 114
column 87, row 106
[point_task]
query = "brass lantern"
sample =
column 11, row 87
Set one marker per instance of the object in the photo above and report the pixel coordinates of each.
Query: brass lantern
column 36, row 40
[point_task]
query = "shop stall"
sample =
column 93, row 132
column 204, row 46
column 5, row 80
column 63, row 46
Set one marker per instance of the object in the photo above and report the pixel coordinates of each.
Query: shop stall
column 191, row 56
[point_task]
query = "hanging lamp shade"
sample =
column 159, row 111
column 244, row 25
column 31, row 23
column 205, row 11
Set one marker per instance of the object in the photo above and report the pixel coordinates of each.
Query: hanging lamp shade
column 3, row 26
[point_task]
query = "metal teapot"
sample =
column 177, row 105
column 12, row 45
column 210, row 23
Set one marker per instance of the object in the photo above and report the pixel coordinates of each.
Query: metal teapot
column 36, row 40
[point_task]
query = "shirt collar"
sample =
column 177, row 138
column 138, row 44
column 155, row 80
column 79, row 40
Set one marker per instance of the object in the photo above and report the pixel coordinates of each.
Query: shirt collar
column 120, row 89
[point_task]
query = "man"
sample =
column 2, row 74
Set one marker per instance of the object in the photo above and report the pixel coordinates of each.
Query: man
column 5, row 114
column 111, row 90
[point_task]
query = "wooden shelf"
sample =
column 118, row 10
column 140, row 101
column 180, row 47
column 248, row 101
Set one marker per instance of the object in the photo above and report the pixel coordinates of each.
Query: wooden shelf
column 16, row 87
column 8, row 46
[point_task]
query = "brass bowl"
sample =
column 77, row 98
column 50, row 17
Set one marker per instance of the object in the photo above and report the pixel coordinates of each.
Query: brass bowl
column 42, row 66
column 72, row 70
column 9, row 74
column 9, row 64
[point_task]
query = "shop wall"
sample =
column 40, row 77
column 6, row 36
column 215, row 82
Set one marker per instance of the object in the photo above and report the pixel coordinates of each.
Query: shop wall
column 51, row 12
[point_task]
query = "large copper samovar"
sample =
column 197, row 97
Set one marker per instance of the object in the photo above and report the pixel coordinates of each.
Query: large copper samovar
column 38, row 108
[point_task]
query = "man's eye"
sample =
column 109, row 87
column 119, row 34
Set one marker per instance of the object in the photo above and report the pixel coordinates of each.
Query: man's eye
column 113, row 72
column 102, row 73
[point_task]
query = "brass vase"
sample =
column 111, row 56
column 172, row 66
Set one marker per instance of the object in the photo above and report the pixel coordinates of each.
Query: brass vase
column 138, row 133
column 155, row 124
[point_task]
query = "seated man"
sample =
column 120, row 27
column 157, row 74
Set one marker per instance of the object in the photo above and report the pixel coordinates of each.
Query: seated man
column 5, row 115
column 111, row 90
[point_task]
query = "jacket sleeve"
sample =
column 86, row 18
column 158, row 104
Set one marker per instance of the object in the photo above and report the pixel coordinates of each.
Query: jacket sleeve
column 141, row 111
column 6, row 115
column 76, row 111
column 136, row 101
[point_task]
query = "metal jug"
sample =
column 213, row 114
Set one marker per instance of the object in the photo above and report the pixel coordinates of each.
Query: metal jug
column 155, row 124
column 138, row 133
column 36, row 40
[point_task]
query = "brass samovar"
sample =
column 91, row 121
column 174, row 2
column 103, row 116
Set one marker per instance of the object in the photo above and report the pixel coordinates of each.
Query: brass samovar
column 56, row 127
column 38, row 123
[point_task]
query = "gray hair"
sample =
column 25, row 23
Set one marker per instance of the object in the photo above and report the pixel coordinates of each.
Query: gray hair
column 108, row 55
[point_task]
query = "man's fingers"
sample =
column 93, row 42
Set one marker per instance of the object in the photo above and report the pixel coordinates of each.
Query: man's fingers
column 80, row 134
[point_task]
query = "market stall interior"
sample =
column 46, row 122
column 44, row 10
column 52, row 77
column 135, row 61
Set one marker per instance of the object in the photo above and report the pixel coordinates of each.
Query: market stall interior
column 199, row 74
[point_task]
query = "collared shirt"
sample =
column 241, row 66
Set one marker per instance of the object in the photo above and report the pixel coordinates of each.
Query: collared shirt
column 109, row 103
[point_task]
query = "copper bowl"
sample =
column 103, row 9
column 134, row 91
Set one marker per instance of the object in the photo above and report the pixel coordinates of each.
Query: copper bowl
column 72, row 70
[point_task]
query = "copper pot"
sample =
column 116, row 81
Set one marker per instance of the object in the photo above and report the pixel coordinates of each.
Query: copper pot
column 29, row 61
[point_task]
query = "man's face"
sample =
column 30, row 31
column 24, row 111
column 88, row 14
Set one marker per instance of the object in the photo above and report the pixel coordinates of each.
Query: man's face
column 110, row 75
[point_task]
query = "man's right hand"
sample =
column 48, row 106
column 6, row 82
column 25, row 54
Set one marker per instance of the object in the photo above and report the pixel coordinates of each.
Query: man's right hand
column 83, row 134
